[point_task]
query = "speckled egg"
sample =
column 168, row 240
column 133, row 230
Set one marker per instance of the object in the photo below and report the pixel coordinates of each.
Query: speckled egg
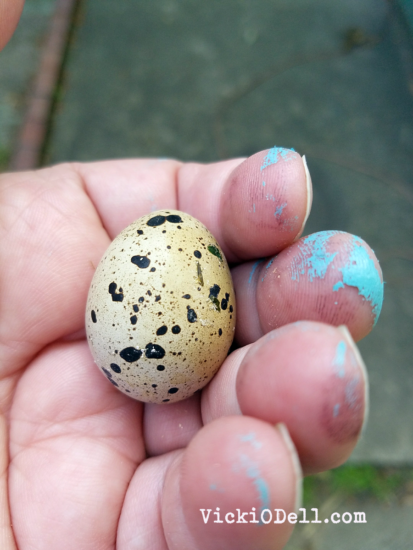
column 160, row 315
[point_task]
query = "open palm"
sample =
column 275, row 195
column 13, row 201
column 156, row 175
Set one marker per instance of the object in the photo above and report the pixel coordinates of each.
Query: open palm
column 86, row 467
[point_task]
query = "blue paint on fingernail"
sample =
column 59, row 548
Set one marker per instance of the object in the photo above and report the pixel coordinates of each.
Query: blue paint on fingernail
column 314, row 258
column 213, row 487
column 274, row 155
column 279, row 210
column 253, row 207
column 339, row 359
column 254, row 267
column 336, row 409
column 263, row 183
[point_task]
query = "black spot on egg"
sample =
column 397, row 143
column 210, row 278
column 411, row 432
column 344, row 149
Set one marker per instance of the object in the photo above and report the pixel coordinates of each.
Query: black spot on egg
column 155, row 221
column 133, row 319
column 141, row 299
column 116, row 297
column 93, row 315
column 157, row 298
column 141, row 261
column 224, row 303
column 153, row 269
column 214, row 291
column 162, row 330
column 220, row 332
column 135, row 308
column 165, row 400
column 140, row 232
column 173, row 218
column 213, row 296
column 173, row 390
column 160, row 367
column 197, row 254
column 115, row 367
column 113, row 382
column 191, row 315
column 186, row 296
column 176, row 329
column 130, row 355
column 153, row 351
column 231, row 309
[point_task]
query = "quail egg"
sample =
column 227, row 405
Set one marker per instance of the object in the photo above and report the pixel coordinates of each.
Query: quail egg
column 160, row 315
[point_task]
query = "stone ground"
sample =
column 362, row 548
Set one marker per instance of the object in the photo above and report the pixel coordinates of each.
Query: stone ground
column 204, row 81
column 18, row 63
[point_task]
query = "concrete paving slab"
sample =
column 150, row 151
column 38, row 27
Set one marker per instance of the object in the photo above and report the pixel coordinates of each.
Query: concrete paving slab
column 202, row 81
column 19, row 62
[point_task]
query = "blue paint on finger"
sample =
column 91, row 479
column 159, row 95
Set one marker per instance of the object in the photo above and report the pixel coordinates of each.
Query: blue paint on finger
column 360, row 272
column 337, row 286
column 274, row 155
column 254, row 267
column 279, row 210
column 260, row 484
column 251, row 438
column 314, row 258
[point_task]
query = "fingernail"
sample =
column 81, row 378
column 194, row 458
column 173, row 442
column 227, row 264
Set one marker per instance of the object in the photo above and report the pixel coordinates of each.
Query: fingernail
column 352, row 345
column 285, row 434
column 309, row 187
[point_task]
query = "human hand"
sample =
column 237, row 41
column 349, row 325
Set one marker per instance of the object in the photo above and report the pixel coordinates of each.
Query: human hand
column 84, row 466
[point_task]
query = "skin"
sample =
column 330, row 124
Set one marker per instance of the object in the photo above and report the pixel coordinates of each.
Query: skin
column 82, row 465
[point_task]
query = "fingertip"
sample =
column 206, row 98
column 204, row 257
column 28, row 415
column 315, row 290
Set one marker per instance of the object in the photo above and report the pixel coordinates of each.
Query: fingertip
column 265, row 203
column 330, row 276
column 238, row 464
column 310, row 377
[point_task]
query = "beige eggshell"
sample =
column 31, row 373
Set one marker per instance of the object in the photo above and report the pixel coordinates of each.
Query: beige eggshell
column 160, row 315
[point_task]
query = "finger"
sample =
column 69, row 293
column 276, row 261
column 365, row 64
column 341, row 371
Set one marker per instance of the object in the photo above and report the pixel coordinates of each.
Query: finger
column 253, row 208
column 75, row 442
column 170, row 427
column 234, row 463
column 51, row 241
column 140, row 523
column 124, row 190
column 10, row 11
column 307, row 375
column 331, row 277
